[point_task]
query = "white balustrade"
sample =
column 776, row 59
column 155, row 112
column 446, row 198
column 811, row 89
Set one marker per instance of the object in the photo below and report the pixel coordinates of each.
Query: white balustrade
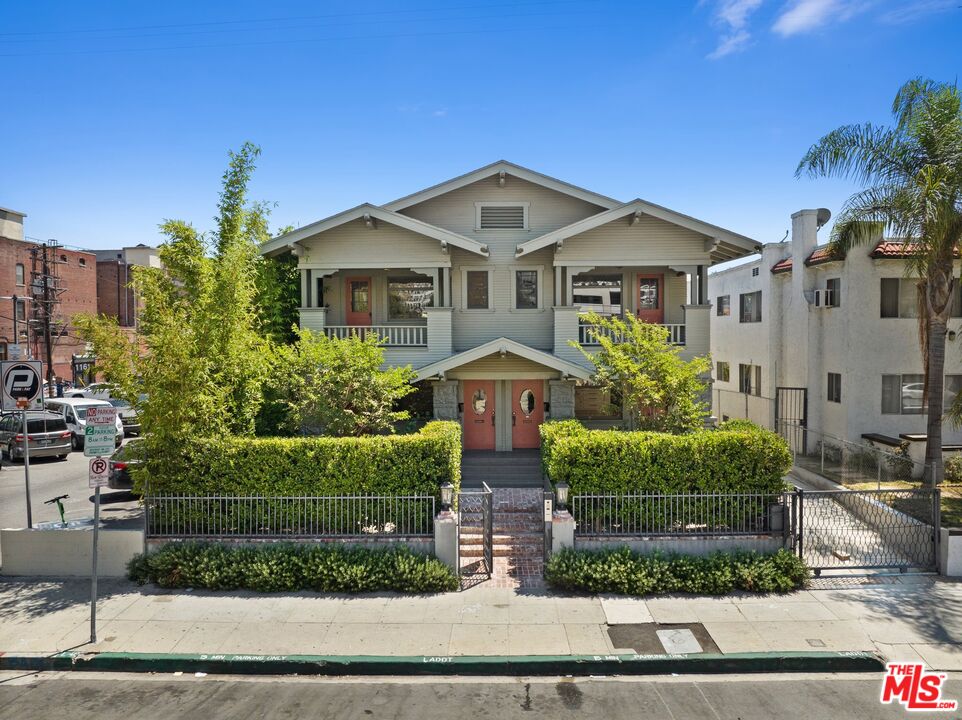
column 394, row 335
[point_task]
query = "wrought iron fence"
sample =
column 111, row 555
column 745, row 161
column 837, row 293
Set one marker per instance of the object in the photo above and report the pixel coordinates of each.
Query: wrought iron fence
column 689, row 514
column 848, row 463
column 262, row 517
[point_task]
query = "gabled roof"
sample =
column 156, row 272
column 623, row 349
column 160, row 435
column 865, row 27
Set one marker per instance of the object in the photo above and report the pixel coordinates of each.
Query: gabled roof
column 283, row 242
column 730, row 245
column 503, row 344
column 510, row 169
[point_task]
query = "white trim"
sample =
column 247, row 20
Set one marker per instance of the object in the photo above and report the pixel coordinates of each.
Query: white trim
column 506, row 345
column 464, row 287
column 510, row 169
column 499, row 203
column 515, row 269
column 445, row 237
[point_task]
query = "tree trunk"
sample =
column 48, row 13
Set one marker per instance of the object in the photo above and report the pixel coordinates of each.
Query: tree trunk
column 934, row 395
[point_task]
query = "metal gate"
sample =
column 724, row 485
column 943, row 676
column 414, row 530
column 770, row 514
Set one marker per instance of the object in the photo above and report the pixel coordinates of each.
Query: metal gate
column 476, row 531
column 791, row 416
column 862, row 529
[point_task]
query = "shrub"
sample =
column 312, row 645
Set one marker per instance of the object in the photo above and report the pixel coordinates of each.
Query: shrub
column 287, row 568
column 740, row 424
column 953, row 470
column 623, row 571
column 379, row 465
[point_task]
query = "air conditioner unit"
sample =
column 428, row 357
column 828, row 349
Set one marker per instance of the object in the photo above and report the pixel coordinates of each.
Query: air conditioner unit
column 824, row 298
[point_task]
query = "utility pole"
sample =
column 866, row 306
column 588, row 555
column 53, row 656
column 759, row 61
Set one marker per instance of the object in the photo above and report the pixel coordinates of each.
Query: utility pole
column 48, row 345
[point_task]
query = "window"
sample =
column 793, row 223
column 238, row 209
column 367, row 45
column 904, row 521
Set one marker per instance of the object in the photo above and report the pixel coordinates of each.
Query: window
column 63, row 259
column 476, row 283
column 899, row 298
column 501, row 215
column 20, row 275
column 722, row 371
column 408, row 296
column 526, row 289
column 834, row 287
column 21, row 310
column 750, row 307
column 723, row 306
column 82, row 262
column 835, row 387
column 750, row 379
column 3, row 351
column 903, row 394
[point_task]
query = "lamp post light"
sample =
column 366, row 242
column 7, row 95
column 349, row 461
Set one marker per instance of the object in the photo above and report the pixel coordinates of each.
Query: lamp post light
column 447, row 496
column 561, row 489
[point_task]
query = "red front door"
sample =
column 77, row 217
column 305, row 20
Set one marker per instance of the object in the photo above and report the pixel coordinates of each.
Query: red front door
column 478, row 414
column 651, row 306
column 527, row 413
column 358, row 300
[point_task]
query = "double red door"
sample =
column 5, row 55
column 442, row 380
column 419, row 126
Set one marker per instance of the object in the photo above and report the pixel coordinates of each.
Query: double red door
column 526, row 413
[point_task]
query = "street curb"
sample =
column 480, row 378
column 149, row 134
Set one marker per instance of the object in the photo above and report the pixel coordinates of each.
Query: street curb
column 522, row 665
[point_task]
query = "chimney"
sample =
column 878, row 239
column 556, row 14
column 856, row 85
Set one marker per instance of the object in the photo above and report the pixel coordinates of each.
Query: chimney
column 805, row 227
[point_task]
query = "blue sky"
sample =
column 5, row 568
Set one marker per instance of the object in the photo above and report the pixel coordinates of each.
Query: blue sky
column 119, row 115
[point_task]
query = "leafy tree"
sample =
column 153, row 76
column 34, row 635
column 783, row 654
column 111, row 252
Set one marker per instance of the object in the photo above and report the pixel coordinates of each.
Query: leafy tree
column 636, row 362
column 912, row 179
column 336, row 386
column 278, row 295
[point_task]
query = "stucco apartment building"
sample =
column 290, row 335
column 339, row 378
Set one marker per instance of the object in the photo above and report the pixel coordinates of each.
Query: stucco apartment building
column 479, row 283
column 801, row 334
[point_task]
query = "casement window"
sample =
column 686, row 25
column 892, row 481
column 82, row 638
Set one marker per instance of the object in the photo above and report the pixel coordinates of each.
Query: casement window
column 722, row 371
column 20, row 274
column 750, row 379
column 477, row 289
column 501, row 215
column 723, row 306
column 527, row 289
column 408, row 296
column 750, row 307
column 834, row 387
column 834, row 288
column 903, row 394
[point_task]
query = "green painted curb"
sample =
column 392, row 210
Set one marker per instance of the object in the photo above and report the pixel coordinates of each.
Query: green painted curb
column 233, row 664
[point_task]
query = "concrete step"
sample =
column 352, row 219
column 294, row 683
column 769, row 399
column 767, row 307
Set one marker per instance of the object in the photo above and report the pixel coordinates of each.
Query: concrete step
column 504, row 550
column 512, row 524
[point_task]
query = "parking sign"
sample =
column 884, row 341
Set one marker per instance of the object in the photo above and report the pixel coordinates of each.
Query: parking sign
column 21, row 380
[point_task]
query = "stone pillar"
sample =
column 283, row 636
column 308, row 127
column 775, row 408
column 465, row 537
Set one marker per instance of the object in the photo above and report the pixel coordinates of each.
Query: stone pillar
column 446, row 538
column 562, row 399
column 950, row 552
column 562, row 531
column 446, row 400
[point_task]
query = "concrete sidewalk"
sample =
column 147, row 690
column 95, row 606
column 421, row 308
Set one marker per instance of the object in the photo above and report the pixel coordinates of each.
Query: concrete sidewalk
column 902, row 618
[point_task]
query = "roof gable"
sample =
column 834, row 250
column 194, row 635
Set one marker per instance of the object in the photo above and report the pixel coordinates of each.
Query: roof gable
column 503, row 344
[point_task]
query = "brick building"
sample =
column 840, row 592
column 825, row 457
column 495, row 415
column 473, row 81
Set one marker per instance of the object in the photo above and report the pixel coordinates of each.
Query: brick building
column 72, row 281
column 115, row 297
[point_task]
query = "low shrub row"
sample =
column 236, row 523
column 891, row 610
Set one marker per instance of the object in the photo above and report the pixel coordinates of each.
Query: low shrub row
column 372, row 465
column 629, row 573
column 288, row 567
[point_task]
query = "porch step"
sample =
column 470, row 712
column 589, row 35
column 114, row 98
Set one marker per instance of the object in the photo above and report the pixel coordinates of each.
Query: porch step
column 505, row 523
column 528, row 545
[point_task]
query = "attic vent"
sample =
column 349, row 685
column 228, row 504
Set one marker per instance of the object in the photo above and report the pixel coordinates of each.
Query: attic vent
column 502, row 217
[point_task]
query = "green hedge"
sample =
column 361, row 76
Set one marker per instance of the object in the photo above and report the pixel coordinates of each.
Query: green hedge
column 378, row 465
column 288, row 568
column 708, row 461
column 629, row 573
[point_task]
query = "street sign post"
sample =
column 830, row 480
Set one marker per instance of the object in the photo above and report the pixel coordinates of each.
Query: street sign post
column 21, row 386
column 102, row 421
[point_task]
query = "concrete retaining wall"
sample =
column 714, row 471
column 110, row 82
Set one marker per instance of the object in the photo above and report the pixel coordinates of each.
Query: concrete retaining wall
column 684, row 545
column 68, row 553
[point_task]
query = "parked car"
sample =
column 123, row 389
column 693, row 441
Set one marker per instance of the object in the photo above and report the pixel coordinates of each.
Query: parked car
column 128, row 416
column 100, row 391
column 47, row 435
column 121, row 462
column 74, row 413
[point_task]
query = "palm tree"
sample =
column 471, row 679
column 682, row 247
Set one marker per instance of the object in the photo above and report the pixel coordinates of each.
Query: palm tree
column 911, row 176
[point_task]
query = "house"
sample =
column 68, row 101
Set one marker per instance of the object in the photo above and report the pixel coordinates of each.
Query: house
column 478, row 283
column 802, row 335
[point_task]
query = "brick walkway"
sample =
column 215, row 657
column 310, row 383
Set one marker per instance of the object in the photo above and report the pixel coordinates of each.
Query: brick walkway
column 518, row 542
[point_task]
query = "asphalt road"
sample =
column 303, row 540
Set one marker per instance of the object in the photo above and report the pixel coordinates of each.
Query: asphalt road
column 104, row 697
column 50, row 477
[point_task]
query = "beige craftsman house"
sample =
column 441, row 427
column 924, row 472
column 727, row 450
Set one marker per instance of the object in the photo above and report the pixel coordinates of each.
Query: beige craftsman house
column 479, row 282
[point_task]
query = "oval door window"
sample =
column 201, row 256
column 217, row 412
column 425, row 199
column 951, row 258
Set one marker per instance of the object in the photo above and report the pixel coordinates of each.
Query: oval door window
column 479, row 401
column 527, row 401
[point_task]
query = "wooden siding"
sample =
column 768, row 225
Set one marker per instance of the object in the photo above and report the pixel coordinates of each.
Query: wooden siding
column 510, row 366
column 648, row 242
column 547, row 210
column 356, row 244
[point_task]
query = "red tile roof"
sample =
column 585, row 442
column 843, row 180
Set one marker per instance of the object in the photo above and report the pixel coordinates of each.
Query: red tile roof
column 782, row 265
column 896, row 249
column 818, row 256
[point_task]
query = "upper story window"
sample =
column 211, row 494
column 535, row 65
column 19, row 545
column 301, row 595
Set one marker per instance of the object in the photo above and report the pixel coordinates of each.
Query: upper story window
column 21, row 310
column 723, row 306
column 722, row 371
column 526, row 295
column 750, row 307
column 82, row 262
column 834, row 387
column 20, row 274
column 754, row 272
column 477, row 290
column 900, row 298
column 833, row 286
column 501, row 215
column 750, row 379
column 408, row 296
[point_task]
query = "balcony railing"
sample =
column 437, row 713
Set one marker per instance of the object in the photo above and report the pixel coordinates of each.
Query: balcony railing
column 588, row 334
column 394, row 335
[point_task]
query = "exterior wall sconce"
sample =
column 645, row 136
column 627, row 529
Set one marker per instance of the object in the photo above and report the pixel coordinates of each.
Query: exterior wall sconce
column 561, row 489
column 447, row 496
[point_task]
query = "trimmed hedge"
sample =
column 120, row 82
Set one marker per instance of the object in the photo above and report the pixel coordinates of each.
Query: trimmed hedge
column 288, row 568
column 709, row 461
column 629, row 573
column 378, row 465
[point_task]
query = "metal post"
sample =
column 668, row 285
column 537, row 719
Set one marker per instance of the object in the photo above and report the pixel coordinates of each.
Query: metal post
column 823, row 454
column 26, row 468
column 937, row 524
column 801, row 520
column 878, row 471
column 93, row 574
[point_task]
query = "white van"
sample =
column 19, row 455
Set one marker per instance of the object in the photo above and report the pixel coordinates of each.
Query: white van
column 74, row 411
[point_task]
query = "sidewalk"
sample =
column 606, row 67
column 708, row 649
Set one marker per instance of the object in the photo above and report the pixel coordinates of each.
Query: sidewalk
column 902, row 618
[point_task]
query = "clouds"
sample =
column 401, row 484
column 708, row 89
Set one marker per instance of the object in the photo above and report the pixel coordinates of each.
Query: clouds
column 733, row 17
column 804, row 16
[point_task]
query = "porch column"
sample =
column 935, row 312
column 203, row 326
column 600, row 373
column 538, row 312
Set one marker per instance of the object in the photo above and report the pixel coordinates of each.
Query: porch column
column 557, row 284
column 304, row 281
column 573, row 270
column 702, row 285
column 562, row 399
column 446, row 399
column 447, row 287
